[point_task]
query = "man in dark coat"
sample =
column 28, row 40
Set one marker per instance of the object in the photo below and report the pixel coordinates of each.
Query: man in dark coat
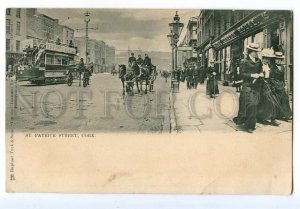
column 189, row 76
column 131, row 60
column 251, row 72
column 139, row 60
column 81, row 69
column 195, row 75
column 147, row 61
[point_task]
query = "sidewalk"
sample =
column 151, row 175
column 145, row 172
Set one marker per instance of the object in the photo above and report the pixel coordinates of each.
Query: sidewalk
column 194, row 111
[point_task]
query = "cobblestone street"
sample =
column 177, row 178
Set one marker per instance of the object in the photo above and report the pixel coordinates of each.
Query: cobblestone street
column 99, row 107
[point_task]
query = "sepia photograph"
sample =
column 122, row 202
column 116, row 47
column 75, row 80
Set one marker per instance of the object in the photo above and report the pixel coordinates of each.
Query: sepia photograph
column 163, row 101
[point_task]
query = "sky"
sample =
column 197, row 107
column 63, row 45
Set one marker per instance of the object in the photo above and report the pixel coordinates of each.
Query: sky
column 144, row 29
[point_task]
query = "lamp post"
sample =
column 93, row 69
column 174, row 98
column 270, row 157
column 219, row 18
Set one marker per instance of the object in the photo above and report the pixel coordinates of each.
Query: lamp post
column 86, row 20
column 175, row 30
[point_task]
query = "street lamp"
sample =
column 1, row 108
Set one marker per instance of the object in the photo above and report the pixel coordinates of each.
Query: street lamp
column 175, row 30
column 86, row 20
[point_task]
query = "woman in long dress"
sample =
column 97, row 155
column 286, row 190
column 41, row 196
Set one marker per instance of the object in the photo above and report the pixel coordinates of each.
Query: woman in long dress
column 212, row 88
column 268, row 103
column 284, row 111
column 251, row 72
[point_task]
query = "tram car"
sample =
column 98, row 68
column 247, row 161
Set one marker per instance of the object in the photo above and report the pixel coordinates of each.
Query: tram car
column 45, row 63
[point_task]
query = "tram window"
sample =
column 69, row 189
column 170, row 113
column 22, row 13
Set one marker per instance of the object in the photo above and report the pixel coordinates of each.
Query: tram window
column 49, row 59
column 65, row 60
column 57, row 60
column 42, row 61
column 71, row 61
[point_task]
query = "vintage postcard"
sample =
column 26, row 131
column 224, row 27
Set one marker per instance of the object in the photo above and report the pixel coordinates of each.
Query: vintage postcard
column 158, row 101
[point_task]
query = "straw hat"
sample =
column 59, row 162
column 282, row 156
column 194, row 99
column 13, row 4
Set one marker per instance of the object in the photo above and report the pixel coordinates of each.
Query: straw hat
column 267, row 53
column 279, row 55
column 253, row 47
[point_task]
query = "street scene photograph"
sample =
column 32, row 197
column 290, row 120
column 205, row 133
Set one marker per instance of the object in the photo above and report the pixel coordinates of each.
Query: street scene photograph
column 149, row 71
column 159, row 101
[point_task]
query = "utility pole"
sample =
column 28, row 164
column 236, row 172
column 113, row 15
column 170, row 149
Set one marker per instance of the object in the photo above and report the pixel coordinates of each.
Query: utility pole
column 86, row 20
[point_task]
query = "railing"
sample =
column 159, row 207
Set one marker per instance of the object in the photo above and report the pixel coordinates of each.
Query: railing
column 60, row 48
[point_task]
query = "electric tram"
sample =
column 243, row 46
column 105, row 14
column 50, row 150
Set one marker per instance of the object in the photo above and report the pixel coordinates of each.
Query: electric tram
column 45, row 63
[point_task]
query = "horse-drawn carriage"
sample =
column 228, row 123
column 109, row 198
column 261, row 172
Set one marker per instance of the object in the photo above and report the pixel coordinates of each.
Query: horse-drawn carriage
column 141, row 75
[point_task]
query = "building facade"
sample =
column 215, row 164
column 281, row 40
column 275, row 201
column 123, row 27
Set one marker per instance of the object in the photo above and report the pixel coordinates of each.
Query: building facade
column 224, row 34
column 15, row 33
column 65, row 34
column 190, row 39
column 98, row 52
column 110, row 53
column 43, row 28
column 40, row 27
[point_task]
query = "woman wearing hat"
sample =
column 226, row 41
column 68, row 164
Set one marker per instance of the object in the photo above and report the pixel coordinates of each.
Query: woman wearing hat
column 251, row 71
column 268, row 102
column 277, row 81
column 212, row 88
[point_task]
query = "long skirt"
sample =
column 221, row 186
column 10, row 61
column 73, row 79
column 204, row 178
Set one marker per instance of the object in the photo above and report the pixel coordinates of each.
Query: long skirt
column 284, row 109
column 212, row 86
column 201, row 76
column 248, row 102
column 268, row 103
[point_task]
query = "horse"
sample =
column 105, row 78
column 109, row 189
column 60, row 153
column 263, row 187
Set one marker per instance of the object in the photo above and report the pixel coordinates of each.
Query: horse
column 137, row 71
column 143, row 78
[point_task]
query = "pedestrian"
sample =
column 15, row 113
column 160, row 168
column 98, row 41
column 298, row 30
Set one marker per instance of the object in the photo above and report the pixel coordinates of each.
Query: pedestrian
column 91, row 68
column 81, row 69
column 237, row 78
column 278, row 84
column 182, row 74
column 195, row 75
column 212, row 88
column 251, row 71
column 202, row 75
column 189, row 74
column 179, row 72
column 268, row 102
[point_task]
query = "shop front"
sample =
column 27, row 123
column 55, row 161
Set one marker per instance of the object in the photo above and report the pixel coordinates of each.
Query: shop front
column 269, row 29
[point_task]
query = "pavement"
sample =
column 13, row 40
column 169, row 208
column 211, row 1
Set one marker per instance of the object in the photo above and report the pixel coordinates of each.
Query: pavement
column 194, row 111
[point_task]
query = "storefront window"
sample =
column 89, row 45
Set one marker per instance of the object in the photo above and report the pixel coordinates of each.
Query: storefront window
column 259, row 39
column 210, row 55
column 247, row 41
